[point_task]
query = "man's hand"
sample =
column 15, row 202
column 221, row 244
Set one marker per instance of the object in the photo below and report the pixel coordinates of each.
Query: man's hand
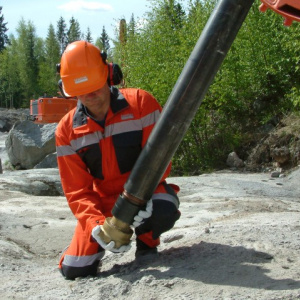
column 111, row 245
column 143, row 214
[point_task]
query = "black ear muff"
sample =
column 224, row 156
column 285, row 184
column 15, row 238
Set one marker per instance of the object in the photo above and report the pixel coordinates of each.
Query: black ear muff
column 60, row 86
column 115, row 75
column 104, row 56
column 58, row 68
column 60, row 83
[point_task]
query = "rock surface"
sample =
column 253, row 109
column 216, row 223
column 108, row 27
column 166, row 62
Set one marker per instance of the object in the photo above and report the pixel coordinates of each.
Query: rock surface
column 38, row 182
column 238, row 238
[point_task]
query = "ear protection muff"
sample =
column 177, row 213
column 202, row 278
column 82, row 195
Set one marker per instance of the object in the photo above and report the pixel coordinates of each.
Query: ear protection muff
column 115, row 74
column 60, row 86
column 60, row 83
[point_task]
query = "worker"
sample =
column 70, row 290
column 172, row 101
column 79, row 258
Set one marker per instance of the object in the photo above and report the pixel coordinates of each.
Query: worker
column 97, row 145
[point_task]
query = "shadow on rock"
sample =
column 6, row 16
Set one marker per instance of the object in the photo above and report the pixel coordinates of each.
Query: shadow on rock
column 209, row 263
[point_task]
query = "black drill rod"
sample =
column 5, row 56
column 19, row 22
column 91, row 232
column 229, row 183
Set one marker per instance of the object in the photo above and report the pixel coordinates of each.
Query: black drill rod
column 184, row 100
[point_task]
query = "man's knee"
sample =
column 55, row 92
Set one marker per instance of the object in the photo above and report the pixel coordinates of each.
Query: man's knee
column 165, row 205
column 163, row 218
column 72, row 266
column 70, row 272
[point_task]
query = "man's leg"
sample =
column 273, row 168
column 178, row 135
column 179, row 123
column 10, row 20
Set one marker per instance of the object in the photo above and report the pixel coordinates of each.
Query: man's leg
column 82, row 257
column 164, row 215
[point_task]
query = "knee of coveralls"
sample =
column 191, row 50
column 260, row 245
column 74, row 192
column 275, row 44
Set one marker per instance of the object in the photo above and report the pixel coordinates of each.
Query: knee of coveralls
column 82, row 257
column 164, row 215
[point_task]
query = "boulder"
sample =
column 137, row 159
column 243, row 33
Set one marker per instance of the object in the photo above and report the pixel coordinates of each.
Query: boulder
column 281, row 154
column 38, row 182
column 8, row 117
column 50, row 161
column 27, row 143
column 3, row 152
column 233, row 161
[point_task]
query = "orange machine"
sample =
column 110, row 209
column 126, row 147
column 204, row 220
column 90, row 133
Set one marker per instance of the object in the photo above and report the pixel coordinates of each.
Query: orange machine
column 289, row 9
column 50, row 110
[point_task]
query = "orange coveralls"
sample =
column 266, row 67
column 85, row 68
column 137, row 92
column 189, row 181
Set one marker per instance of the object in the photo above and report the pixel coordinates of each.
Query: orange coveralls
column 94, row 163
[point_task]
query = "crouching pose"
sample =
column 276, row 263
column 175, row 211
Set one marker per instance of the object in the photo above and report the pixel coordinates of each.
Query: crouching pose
column 97, row 144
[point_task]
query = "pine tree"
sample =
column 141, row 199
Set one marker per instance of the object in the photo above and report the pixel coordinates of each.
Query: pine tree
column 10, row 87
column 27, row 62
column 73, row 33
column 61, row 34
column 175, row 13
column 103, row 41
column 88, row 36
column 3, row 36
column 131, row 26
column 48, row 77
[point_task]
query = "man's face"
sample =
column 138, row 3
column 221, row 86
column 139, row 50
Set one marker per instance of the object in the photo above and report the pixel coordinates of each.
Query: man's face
column 96, row 97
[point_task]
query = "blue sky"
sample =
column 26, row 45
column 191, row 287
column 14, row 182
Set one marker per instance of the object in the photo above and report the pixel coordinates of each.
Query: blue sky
column 89, row 13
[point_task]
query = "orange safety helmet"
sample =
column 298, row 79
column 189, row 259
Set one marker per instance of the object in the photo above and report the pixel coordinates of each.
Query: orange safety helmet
column 82, row 69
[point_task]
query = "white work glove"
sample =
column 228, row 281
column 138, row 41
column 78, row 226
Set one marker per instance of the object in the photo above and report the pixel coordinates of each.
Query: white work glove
column 111, row 245
column 143, row 214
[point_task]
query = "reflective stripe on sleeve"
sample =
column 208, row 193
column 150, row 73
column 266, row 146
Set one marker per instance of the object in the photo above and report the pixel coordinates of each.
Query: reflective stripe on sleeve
column 64, row 151
column 126, row 126
column 89, row 139
column 150, row 119
column 132, row 125
column 86, row 140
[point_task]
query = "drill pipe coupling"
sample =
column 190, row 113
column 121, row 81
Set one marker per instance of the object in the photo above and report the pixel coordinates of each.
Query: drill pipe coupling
column 117, row 231
column 117, row 228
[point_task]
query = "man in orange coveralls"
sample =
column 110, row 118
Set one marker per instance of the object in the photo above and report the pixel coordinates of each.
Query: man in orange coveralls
column 97, row 145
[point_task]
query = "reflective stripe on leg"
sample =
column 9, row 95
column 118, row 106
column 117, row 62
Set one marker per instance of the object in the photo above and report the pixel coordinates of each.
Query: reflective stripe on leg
column 81, row 261
column 166, row 197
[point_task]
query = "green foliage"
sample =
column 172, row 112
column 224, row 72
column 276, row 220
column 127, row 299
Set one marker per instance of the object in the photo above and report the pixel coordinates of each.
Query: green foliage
column 88, row 36
column 294, row 97
column 61, row 34
column 47, row 74
column 74, row 33
column 3, row 36
column 103, row 41
column 28, row 63
column 258, row 80
column 10, row 91
column 150, row 56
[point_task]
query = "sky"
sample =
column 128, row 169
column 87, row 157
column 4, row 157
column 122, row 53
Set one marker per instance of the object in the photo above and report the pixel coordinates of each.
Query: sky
column 89, row 13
